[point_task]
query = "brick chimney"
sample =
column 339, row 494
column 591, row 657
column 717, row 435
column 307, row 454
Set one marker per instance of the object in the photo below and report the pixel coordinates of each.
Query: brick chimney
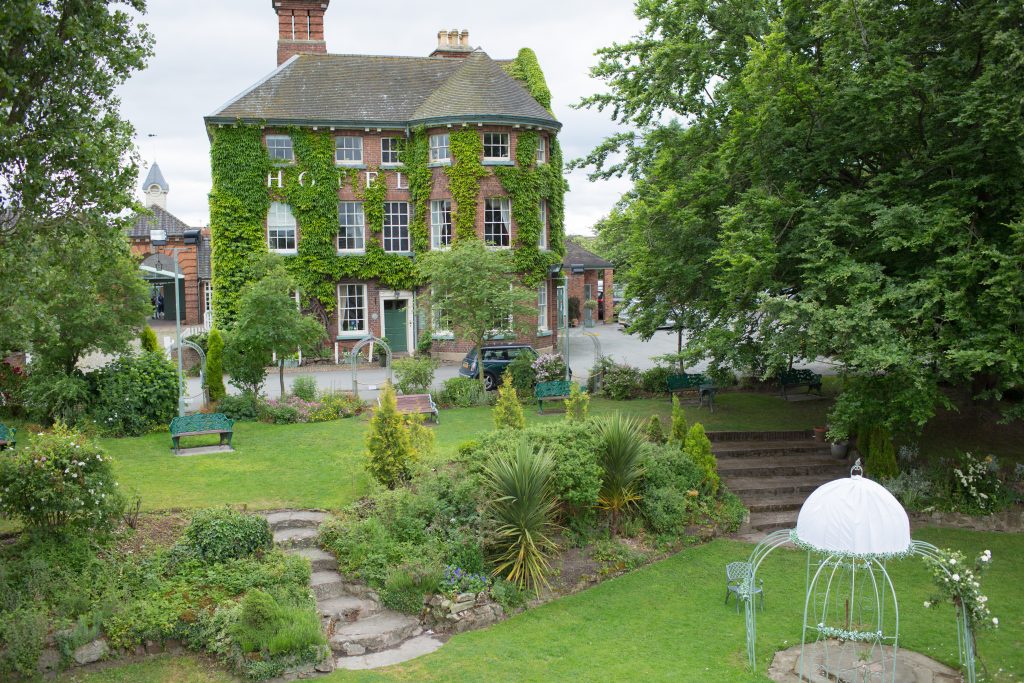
column 300, row 28
column 452, row 43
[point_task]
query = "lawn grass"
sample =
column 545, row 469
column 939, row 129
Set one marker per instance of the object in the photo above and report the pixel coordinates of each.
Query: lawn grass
column 321, row 465
column 667, row 622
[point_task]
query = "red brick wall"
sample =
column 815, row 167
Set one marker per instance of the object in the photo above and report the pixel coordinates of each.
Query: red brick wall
column 300, row 28
column 187, row 262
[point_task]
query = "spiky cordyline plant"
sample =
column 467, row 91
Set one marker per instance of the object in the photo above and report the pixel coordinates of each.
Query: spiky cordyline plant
column 523, row 508
column 622, row 458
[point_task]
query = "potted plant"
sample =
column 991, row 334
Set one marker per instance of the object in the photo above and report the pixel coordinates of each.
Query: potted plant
column 589, row 306
column 819, row 434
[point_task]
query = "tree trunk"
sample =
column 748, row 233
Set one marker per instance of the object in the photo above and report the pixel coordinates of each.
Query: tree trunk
column 679, row 340
column 480, row 365
column 280, row 374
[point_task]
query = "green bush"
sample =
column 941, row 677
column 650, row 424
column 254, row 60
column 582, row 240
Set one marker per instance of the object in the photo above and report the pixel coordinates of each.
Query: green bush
column 507, row 594
column 425, row 343
column 52, row 396
column 508, row 412
column 524, row 377
column 623, row 451
column 698, row 447
column 654, row 432
column 671, row 492
column 334, row 405
column 219, row 534
column 655, row 380
column 274, row 412
column 577, row 405
column 60, row 479
column 620, row 382
column 680, row 425
column 272, row 627
column 22, row 637
column 148, row 340
column 215, row 366
column 461, row 392
column 304, row 387
column 389, row 449
column 243, row 407
column 134, row 394
column 415, row 374
column 405, row 587
column 881, row 456
column 615, row 556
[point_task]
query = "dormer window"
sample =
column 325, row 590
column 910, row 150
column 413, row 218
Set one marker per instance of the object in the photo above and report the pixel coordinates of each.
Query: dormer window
column 280, row 148
column 496, row 147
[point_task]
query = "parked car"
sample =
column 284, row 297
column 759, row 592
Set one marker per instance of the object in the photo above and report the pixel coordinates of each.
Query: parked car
column 496, row 359
column 626, row 314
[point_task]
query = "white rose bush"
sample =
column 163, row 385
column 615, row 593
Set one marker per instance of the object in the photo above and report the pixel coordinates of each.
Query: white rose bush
column 960, row 584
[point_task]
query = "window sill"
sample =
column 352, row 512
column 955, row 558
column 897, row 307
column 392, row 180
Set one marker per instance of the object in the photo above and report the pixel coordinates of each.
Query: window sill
column 284, row 252
column 500, row 337
column 438, row 247
column 351, row 252
column 439, row 164
column 443, row 336
column 497, row 247
column 357, row 166
column 392, row 167
column 280, row 163
column 349, row 336
column 399, row 253
column 544, row 333
column 498, row 162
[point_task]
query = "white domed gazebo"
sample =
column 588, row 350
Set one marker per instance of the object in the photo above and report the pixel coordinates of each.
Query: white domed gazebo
column 850, row 529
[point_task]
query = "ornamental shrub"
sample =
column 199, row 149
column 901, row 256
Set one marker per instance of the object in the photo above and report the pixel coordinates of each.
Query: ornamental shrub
column 220, row 534
column 698, row 447
column 460, row 392
column 508, row 412
column 620, row 382
column 148, row 340
column 406, row 586
column 51, row 396
column 304, row 387
column 334, row 405
column 415, row 374
column 390, row 453
column 59, row 479
column 549, row 367
column 655, row 380
column 215, row 366
column 23, row 634
column 881, row 460
column 133, row 394
column 577, row 405
column 670, row 490
column 242, row 407
column 524, row 377
column 680, row 426
column 654, row 432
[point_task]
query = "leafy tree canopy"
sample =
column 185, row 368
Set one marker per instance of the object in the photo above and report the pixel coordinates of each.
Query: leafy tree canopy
column 828, row 179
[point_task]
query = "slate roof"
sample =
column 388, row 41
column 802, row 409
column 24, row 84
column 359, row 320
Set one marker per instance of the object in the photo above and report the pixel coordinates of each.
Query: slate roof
column 161, row 220
column 383, row 91
column 155, row 177
column 577, row 255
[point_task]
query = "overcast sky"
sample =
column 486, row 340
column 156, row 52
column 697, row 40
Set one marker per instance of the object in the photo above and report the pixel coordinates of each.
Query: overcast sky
column 208, row 51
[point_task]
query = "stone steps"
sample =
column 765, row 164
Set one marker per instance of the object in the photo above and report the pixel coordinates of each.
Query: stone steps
column 779, row 466
column 296, row 537
column 770, row 449
column 380, row 631
column 746, row 487
column 761, row 436
column 347, row 608
column 774, row 503
column 766, row 522
column 295, row 519
column 319, row 560
column 410, row 649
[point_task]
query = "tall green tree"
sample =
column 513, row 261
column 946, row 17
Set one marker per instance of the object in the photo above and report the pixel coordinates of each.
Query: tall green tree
column 270, row 322
column 475, row 288
column 67, row 164
column 215, row 366
column 835, row 179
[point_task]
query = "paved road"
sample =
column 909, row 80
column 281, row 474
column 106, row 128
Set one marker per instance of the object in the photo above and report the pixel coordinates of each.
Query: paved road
column 613, row 342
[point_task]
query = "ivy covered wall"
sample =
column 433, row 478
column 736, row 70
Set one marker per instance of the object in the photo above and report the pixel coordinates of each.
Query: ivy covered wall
column 245, row 182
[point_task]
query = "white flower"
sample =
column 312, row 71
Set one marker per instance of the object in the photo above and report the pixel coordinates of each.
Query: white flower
column 995, row 621
column 927, row 604
column 956, row 577
column 952, row 560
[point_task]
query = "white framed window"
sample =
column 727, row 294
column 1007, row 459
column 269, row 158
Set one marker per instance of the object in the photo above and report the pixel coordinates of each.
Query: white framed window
column 496, row 146
column 389, row 151
column 352, row 309
column 208, row 299
column 351, row 227
column 542, row 308
column 279, row 147
column 281, row 228
column 542, row 238
column 439, row 149
column 348, row 149
column 497, row 222
column 396, row 227
column 440, row 224
column 440, row 321
column 542, row 149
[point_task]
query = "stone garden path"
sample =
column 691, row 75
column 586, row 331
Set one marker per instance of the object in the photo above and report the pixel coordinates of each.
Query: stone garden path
column 362, row 633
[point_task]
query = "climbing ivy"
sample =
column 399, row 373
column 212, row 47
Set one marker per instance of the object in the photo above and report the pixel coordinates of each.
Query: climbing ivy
column 466, row 148
column 525, row 68
column 238, row 207
column 415, row 158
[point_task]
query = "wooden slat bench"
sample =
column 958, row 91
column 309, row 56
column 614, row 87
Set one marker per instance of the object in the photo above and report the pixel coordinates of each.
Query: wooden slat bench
column 7, row 437
column 199, row 424
column 417, row 404
column 697, row 383
column 557, row 390
column 798, row 378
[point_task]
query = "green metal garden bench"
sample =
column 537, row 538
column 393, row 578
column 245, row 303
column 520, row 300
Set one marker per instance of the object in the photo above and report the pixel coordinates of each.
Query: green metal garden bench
column 199, row 424
column 696, row 382
column 798, row 378
column 7, row 437
column 557, row 390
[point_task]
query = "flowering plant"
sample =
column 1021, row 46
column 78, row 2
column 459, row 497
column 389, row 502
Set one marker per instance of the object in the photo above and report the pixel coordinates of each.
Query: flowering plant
column 456, row 580
column 976, row 484
column 958, row 582
column 851, row 636
column 549, row 367
column 59, row 479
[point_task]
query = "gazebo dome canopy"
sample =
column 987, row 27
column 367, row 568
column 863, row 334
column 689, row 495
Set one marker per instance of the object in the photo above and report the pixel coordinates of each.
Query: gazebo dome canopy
column 854, row 516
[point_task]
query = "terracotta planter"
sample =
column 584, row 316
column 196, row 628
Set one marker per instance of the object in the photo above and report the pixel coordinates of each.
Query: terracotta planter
column 819, row 434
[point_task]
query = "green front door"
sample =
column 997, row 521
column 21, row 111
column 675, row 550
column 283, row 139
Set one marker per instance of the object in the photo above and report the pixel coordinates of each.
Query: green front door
column 394, row 325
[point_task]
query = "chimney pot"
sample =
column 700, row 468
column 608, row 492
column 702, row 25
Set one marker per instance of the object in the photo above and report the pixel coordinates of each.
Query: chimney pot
column 442, row 38
column 464, row 38
column 453, row 38
column 300, row 28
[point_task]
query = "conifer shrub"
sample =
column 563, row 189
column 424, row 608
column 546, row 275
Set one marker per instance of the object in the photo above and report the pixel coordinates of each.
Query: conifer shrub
column 577, row 405
column 215, row 366
column 881, row 456
column 508, row 412
column 680, row 427
column 698, row 447
column 390, row 452
column 148, row 340
column 653, row 432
